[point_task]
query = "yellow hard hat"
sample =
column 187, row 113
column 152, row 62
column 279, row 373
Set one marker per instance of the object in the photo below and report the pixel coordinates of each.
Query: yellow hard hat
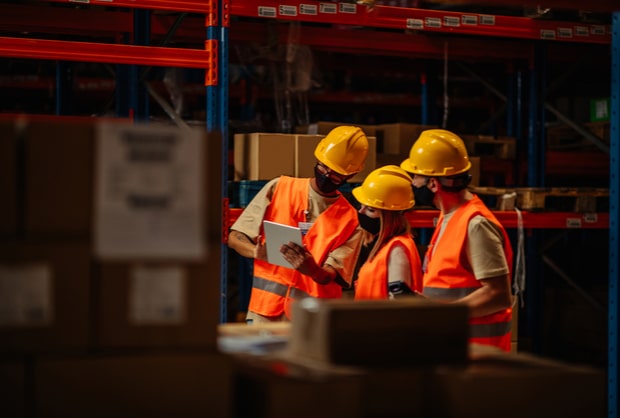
column 437, row 152
column 343, row 150
column 387, row 187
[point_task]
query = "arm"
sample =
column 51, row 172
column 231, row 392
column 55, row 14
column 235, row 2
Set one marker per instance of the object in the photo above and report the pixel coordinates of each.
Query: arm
column 493, row 296
column 485, row 252
column 399, row 273
column 244, row 234
column 301, row 259
column 241, row 243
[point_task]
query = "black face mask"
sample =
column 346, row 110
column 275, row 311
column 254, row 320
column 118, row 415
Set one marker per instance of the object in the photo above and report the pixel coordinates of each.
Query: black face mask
column 372, row 225
column 324, row 184
column 423, row 196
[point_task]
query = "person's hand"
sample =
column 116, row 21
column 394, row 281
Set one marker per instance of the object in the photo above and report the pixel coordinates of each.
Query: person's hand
column 260, row 250
column 300, row 258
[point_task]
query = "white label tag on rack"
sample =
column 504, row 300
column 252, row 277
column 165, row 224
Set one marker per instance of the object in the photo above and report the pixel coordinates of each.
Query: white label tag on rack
column 288, row 10
column 573, row 222
column 487, row 20
column 565, row 33
column 264, row 11
column 433, row 22
column 308, row 9
column 329, row 8
column 451, row 21
column 590, row 218
column 547, row 34
column 415, row 24
column 469, row 20
column 581, row 31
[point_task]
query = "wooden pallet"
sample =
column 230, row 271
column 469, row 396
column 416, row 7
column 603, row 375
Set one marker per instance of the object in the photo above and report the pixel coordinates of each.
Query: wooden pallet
column 554, row 199
column 482, row 145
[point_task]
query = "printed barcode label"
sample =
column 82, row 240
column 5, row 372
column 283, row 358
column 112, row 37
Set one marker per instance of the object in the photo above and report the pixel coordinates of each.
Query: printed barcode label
column 547, row 34
column 308, row 9
column 581, row 31
column 328, row 8
column 288, row 10
column 265, row 11
column 565, row 33
column 415, row 24
column 451, row 21
column 469, row 20
column 487, row 20
column 433, row 22
column 348, row 8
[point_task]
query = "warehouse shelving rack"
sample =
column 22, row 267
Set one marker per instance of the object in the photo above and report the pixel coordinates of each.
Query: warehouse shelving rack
column 497, row 31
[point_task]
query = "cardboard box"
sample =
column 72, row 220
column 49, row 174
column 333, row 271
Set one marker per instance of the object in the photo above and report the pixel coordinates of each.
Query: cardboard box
column 46, row 297
column 325, row 127
column 148, row 385
column 404, row 332
column 13, row 384
column 9, row 209
column 157, row 304
column 304, row 154
column 516, row 386
column 499, row 147
column 281, row 387
column 59, row 158
column 398, row 138
column 263, row 156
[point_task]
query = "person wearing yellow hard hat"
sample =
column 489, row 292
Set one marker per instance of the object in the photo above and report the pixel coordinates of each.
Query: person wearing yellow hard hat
column 392, row 268
column 469, row 258
column 332, row 239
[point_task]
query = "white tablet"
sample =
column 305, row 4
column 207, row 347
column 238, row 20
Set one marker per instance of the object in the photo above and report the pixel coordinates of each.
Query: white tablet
column 275, row 236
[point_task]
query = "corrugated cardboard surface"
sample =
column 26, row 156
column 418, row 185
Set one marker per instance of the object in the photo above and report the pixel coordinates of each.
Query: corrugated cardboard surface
column 59, row 158
column 279, row 387
column 13, row 388
column 8, row 179
column 517, row 386
column 198, row 328
column 398, row 138
column 380, row 333
column 151, row 385
column 70, row 267
column 263, row 156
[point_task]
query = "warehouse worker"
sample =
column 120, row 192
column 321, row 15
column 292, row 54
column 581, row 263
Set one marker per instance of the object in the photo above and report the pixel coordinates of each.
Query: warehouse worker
column 393, row 268
column 332, row 241
column 469, row 258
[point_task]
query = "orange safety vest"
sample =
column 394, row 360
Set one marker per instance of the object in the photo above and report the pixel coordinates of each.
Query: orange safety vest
column 275, row 287
column 372, row 279
column 447, row 276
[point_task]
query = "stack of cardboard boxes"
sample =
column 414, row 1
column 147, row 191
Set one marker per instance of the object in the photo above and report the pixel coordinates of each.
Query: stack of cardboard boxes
column 83, row 333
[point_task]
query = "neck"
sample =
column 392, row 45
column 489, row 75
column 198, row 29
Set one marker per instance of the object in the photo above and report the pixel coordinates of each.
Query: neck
column 451, row 201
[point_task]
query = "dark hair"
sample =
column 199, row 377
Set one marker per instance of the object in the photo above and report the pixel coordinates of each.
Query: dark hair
column 455, row 183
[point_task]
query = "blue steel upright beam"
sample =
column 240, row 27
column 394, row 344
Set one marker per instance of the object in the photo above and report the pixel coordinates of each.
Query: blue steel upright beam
column 216, row 81
column 614, row 226
column 64, row 87
column 139, row 97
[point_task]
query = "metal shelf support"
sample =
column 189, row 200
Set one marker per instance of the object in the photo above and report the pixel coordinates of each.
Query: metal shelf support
column 614, row 226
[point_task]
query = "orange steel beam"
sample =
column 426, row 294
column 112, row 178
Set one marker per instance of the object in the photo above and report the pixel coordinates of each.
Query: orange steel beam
column 109, row 53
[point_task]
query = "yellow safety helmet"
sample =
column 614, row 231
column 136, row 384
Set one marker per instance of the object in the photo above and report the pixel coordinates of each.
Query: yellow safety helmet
column 343, row 150
column 437, row 152
column 387, row 187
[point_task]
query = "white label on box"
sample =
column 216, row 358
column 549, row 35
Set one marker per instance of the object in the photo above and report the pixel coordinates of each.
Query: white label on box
column 308, row 9
column 469, row 19
column 148, row 187
column 26, row 295
column 157, row 295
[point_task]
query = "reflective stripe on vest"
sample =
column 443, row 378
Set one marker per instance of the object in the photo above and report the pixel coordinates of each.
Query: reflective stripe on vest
column 447, row 293
column 489, row 330
column 278, row 288
column 496, row 329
